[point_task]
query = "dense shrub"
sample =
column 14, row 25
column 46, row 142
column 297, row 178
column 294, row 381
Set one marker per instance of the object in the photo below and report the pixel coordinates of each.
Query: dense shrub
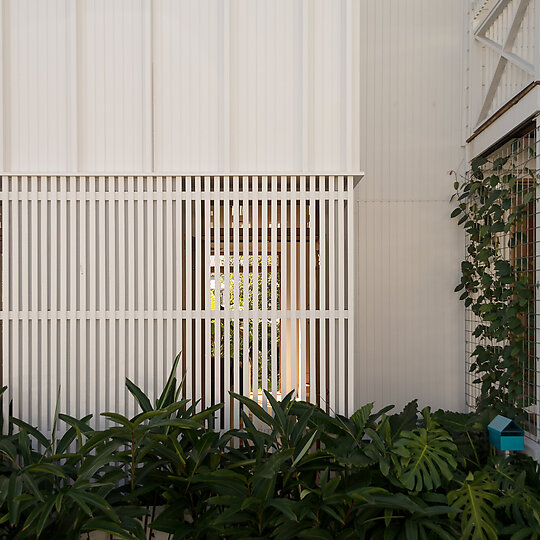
column 295, row 473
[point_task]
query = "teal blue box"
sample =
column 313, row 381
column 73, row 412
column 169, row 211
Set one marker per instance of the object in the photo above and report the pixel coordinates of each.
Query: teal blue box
column 505, row 434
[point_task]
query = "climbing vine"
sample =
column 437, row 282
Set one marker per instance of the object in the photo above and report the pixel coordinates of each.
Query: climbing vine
column 495, row 205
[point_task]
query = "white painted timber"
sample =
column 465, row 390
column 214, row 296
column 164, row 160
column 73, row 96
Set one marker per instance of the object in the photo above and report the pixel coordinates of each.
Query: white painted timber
column 91, row 339
column 142, row 87
column 502, row 55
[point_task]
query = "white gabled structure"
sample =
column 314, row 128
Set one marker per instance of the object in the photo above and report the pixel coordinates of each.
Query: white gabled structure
column 139, row 89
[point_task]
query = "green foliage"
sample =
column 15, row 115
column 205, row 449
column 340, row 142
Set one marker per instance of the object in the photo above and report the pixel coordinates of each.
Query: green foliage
column 476, row 499
column 428, row 456
column 292, row 471
column 494, row 203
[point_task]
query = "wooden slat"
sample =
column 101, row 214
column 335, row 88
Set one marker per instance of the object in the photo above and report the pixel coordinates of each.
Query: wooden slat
column 255, row 291
column 312, row 292
column 205, row 262
column 293, row 290
column 33, row 229
column 131, row 276
column 216, row 374
column 236, row 296
column 123, row 277
column 246, row 288
column 302, row 295
column 323, row 396
column 140, row 357
column 284, row 290
column 198, row 359
column 351, row 258
column 188, row 292
column 264, row 290
column 23, row 379
column 322, row 299
column 341, row 382
column 332, row 295
column 227, row 337
column 273, row 285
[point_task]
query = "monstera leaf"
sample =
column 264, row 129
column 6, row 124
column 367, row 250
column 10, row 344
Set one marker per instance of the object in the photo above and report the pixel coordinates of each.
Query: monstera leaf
column 427, row 454
column 476, row 499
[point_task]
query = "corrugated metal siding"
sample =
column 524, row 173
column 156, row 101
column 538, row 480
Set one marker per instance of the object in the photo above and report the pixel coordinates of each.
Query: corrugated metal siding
column 38, row 48
column 114, row 85
column 409, row 320
column 288, row 85
column 189, row 85
column 178, row 86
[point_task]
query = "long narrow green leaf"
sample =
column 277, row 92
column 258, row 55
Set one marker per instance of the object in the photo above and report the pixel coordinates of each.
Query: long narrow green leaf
column 174, row 422
column 32, row 431
column 95, row 501
column 9, row 450
column 161, row 402
column 55, row 423
column 98, row 437
column 78, row 427
column 278, row 411
column 2, row 390
column 14, row 490
column 91, row 464
column 179, row 389
column 74, row 495
column 99, row 524
column 119, row 419
column 305, row 448
column 4, row 483
column 68, row 437
column 139, row 419
column 32, row 486
column 139, row 396
column 255, row 408
column 46, row 468
column 45, row 515
column 33, row 516
column 174, row 407
column 285, row 506
column 81, row 424
column 203, row 415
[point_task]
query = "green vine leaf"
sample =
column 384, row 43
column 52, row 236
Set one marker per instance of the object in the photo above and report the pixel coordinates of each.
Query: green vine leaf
column 498, row 277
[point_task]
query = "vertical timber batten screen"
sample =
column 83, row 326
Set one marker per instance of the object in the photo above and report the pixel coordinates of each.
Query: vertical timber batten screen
column 108, row 277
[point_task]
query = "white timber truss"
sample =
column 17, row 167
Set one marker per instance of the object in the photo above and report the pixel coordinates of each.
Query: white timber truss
column 503, row 32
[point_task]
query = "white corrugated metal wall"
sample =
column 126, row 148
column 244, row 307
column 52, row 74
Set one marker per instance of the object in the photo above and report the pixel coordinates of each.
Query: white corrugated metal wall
column 142, row 86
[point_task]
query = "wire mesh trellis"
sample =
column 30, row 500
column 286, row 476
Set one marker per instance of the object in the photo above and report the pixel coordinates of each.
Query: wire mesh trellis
column 520, row 153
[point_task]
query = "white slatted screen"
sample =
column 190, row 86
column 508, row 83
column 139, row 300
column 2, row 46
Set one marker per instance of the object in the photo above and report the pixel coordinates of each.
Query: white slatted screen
column 107, row 277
